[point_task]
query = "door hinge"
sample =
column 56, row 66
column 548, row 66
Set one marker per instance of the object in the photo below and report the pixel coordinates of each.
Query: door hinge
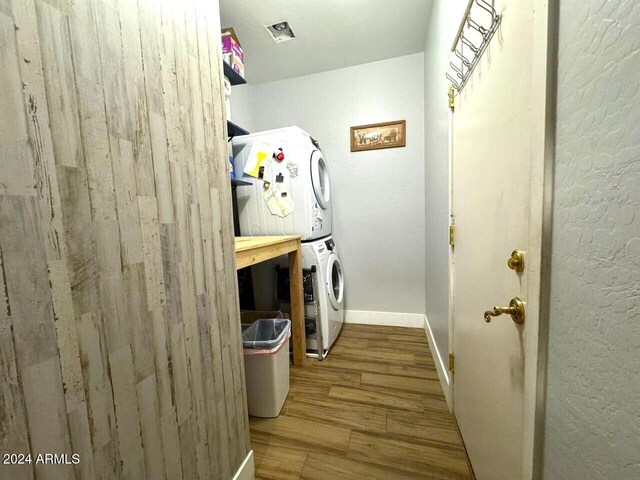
column 452, row 97
column 452, row 362
column 452, row 236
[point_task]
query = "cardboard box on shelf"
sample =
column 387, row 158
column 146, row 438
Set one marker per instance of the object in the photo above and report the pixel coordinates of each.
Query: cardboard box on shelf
column 232, row 51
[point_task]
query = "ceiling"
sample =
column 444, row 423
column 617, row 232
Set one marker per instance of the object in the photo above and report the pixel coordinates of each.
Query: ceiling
column 329, row 34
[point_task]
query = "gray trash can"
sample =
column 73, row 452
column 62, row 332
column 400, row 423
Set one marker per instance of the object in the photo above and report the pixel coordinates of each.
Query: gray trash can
column 266, row 364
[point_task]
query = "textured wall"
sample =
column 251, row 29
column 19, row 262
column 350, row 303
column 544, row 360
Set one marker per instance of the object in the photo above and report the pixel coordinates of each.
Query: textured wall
column 119, row 328
column 377, row 196
column 593, row 398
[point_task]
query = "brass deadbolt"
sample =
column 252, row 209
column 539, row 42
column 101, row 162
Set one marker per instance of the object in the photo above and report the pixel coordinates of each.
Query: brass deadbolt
column 516, row 261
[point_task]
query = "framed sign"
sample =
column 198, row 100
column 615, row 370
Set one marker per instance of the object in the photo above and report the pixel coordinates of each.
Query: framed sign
column 378, row 135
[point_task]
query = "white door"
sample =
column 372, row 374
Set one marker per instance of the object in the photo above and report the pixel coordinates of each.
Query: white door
column 496, row 203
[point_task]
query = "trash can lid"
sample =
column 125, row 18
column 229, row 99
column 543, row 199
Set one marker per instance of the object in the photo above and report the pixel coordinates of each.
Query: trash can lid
column 265, row 333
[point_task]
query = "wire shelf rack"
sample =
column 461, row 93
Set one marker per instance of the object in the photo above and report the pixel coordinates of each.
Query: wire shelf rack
column 478, row 25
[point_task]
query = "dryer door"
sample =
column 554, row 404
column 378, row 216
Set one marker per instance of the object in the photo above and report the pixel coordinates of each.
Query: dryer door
column 335, row 282
column 320, row 179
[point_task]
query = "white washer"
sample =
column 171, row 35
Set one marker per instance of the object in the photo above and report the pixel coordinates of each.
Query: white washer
column 302, row 176
column 329, row 289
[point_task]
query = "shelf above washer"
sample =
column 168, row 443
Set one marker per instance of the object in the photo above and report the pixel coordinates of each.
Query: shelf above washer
column 233, row 76
column 239, row 183
column 234, row 130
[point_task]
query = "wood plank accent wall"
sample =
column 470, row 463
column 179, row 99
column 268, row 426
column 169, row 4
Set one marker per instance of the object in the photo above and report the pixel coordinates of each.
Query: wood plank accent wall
column 119, row 318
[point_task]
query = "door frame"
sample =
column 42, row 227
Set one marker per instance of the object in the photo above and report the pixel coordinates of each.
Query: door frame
column 452, row 261
column 545, row 54
column 543, row 131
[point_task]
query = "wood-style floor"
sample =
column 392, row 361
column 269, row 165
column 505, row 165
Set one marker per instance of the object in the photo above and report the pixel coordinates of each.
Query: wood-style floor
column 372, row 409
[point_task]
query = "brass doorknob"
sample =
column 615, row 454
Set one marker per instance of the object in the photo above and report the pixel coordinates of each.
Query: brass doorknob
column 516, row 261
column 515, row 309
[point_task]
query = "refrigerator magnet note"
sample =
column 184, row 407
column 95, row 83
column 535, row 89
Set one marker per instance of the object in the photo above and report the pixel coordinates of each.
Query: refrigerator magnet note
column 258, row 156
column 278, row 201
column 286, row 203
column 316, row 219
column 293, row 169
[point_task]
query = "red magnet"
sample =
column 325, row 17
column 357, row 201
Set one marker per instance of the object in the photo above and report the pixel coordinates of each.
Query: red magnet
column 280, row 155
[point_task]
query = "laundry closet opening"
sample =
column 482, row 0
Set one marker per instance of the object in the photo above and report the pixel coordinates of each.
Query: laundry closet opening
column 331, row 149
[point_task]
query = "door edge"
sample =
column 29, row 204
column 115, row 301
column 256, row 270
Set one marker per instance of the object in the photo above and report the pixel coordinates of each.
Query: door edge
column 544, row 100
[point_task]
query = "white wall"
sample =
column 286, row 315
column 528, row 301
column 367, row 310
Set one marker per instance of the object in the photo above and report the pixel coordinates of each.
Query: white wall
column 593, row 391
column 378, row 196
column 242, row 106
column 441, row 30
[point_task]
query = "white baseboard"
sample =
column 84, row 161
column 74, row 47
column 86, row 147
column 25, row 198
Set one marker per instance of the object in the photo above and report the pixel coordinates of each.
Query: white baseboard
column 393, row 319
column 247, row 469
column 442, row 364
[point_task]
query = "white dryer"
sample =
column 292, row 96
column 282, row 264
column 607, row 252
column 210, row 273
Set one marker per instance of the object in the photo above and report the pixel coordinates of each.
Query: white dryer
column 289, row 192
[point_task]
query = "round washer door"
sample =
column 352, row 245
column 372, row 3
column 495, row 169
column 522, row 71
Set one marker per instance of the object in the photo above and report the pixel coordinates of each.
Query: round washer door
column 320, row 179
column 335, row 282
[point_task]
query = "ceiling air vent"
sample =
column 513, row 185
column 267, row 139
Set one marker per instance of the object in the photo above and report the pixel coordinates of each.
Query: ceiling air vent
column 280, row 32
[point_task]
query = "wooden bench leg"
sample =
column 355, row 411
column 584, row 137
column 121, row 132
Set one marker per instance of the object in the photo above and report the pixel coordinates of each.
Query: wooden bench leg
column 297, row 307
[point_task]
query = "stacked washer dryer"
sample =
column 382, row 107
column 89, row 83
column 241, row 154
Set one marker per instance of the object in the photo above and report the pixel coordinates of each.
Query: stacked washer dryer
column 290, row 194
